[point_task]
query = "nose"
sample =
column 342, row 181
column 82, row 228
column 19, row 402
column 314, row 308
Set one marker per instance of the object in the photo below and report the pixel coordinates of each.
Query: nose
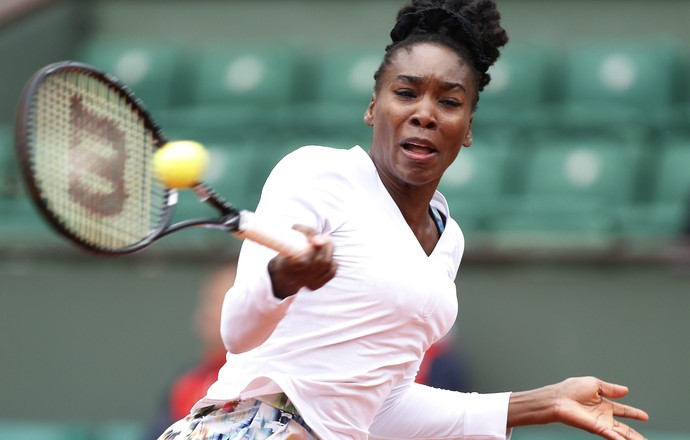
column 423, row 115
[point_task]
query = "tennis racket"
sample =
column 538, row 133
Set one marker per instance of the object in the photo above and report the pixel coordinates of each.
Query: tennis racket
column 85, row 145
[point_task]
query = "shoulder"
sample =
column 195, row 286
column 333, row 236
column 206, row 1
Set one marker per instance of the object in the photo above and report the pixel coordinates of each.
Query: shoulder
column 319, row 157
column 312, row 162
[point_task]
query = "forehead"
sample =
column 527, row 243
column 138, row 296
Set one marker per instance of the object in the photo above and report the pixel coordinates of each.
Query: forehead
column 429, row 60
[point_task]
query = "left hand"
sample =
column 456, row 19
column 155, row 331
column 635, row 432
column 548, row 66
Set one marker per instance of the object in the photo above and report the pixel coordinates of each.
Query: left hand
column 584, row 403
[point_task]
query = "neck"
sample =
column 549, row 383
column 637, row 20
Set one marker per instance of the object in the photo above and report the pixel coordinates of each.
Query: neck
column 413, row 202
column 414, row 206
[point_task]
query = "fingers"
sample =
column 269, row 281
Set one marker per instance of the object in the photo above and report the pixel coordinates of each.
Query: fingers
column 621, row 431
column 323, row 265
column 312, row 268
column 629, row 412
column 615, row 391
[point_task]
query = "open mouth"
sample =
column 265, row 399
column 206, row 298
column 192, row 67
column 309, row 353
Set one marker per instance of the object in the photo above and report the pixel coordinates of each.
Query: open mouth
column 418, row 150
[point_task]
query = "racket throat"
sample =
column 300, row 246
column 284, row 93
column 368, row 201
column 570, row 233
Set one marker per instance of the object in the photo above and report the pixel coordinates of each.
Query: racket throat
column 206, row 194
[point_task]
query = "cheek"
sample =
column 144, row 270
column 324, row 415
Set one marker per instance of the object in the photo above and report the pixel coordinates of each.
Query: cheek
column 464, row 133
column 384, row 123
column 451, row 156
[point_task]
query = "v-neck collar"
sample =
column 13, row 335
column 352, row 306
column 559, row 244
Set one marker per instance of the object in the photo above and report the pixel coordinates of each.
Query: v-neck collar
column 437, row 201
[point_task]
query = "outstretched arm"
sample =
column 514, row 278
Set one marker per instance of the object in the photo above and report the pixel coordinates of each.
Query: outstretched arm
column 582, row 402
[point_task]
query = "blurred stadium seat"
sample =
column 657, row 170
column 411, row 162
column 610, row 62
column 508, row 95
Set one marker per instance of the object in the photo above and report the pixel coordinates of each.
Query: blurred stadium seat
column 19, row 218
column 343, row 85
column 522, row 82
column 230, row 174
column 118, row 430
column 8, row 163
column 661, row 435
column 572, row 188
column 552, row 432
column 150, row 69
column 20, row 222
column 346, row 75
column 476, row 184
column 247, row 75
column 608, row 82
column 230, row 171
column 35, row 430
column 238, row 92
column 666, row 207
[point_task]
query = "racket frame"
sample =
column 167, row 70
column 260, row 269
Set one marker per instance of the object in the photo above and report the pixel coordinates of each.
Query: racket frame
column 230, row 216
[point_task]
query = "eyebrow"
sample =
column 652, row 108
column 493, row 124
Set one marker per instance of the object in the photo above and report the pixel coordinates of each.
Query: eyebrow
column 413, row 79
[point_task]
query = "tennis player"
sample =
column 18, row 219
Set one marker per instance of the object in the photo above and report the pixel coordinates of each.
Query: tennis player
column 326, row 345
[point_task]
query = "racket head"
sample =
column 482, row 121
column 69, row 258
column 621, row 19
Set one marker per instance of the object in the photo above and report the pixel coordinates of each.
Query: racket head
column 85, row 144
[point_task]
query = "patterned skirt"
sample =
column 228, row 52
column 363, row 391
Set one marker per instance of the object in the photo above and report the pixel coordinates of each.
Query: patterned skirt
column 264, row 418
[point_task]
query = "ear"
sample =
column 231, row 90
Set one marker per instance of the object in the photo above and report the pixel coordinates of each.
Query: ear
column 369, row 113
column 467, row 142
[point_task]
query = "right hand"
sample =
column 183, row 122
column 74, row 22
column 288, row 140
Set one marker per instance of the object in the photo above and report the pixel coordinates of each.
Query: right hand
column 311, row 268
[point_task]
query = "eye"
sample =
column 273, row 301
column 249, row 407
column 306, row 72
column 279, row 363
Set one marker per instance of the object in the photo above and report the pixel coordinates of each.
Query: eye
column 451, row 102
column 405, row 93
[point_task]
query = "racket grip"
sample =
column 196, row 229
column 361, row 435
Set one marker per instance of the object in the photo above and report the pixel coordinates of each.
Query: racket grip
column 286, row 241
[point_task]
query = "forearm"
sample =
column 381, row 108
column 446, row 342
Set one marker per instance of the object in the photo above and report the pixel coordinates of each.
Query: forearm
column 420, row 411
column 534, row 407
column 250, row 311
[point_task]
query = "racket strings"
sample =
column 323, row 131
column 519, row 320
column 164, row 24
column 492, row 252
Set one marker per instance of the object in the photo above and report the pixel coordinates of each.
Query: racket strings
column 92, row 161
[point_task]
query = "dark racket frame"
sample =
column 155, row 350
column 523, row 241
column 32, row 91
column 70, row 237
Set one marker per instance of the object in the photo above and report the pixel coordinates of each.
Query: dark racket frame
column 85, row 145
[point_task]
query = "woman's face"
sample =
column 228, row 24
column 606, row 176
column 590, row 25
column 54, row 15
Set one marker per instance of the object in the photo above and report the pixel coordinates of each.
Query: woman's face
column 421, row 115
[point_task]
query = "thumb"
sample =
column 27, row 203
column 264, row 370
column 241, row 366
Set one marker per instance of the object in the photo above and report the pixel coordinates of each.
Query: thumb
column 319, row 240
column 612, row 390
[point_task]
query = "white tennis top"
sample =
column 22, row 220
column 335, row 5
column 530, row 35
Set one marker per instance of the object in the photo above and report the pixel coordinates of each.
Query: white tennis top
column 347, row 354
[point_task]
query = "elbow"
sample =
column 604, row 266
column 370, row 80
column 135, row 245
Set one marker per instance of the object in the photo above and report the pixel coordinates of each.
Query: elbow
column 237, row 346
column 241, row 338
column 237, row 341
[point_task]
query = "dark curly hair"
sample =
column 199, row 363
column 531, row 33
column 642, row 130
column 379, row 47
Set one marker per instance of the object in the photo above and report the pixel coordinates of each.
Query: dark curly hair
column 471, row 28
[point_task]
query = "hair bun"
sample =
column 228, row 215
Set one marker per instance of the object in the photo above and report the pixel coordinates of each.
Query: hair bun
column 437, row 19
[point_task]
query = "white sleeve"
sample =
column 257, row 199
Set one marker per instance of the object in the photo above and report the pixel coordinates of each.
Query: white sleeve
column 425, row 413
column 250, row 310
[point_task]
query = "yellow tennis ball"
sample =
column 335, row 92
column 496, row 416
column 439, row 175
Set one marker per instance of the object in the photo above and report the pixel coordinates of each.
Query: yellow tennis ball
column 180, row 164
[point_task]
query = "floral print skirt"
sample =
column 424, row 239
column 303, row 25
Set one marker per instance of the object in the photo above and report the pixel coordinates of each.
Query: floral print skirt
column 264, row 418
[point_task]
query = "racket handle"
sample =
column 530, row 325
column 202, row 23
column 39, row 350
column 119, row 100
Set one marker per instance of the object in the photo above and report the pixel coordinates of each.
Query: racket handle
column 286, row 241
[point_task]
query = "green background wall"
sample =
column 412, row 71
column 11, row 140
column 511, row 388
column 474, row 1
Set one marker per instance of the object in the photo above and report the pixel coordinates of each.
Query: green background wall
column 96, row 339
column 86, row 339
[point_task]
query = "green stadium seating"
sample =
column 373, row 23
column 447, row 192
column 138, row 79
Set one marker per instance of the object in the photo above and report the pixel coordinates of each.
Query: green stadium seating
column 551, row 432
column 609, row 82
column 20, row 222
column 41, row 430
column 477, row 181
column 522, row 82
column 661, row 435
column 561, row 432
column 666, row 209
column 151, row 69
column 343, row 85
column 673, row 175
column 239, row 93
column 16, row 213
column 583, row 167
column 8, row 162
column 346, row 75
column 572, row 189
column 119, row 430
column 265, row 76
column 230, row 172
